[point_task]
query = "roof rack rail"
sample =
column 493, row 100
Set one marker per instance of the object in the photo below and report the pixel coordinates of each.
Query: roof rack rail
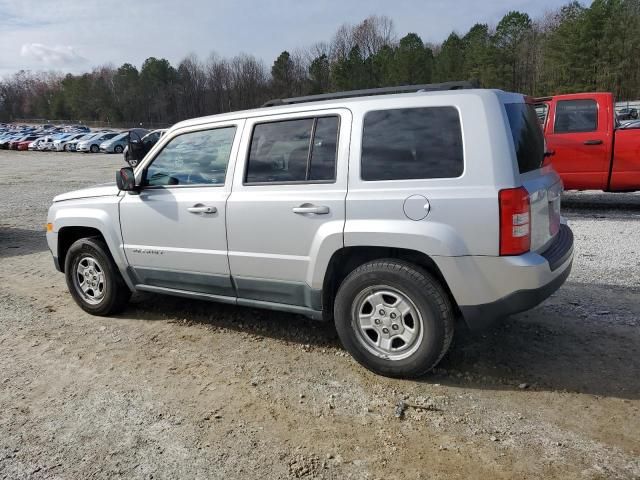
column 429, row 87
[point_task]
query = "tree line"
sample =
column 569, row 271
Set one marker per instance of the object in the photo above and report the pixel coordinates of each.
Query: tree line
column 574, row 48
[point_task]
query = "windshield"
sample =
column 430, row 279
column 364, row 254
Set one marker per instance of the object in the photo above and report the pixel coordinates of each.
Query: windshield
column 528, row 138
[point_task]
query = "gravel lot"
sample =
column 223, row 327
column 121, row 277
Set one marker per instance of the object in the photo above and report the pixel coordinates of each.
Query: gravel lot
column 176, row 388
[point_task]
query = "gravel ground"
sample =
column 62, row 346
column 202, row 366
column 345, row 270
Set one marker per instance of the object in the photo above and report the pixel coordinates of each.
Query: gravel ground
column 175, row 388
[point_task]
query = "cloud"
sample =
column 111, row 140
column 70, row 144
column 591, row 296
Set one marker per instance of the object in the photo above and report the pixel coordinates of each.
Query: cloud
column 59, row 55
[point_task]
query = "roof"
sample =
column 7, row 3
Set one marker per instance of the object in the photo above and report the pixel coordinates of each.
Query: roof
column 505, row 97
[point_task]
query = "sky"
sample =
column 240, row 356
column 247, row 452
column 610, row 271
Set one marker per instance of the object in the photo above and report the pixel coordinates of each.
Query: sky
column 77, row 35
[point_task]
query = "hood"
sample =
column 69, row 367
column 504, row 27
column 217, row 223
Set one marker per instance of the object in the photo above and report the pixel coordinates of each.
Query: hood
column 102, row 190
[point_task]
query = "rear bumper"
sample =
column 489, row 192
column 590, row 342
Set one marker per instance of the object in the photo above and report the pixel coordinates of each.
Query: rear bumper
column 479, row 317
column 487, row 289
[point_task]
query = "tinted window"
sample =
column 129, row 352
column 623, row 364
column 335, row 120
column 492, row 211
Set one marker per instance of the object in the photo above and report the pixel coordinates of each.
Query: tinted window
column 576, row 116
column 293, row 151
column 196, row 158
column 412, row 143
column 528, row 139
column 323, row 153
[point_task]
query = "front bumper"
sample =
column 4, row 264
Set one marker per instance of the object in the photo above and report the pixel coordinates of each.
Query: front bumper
column 487, row 289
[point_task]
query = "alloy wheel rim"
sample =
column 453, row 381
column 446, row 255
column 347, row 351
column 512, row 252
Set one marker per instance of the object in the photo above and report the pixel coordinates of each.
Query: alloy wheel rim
column 387, row 322
column 89, row 280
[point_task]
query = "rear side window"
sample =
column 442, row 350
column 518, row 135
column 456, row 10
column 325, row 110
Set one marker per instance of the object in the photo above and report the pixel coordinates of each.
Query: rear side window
column 299, row 150
column 573, row 116
column 528, row 139
column 412, row 143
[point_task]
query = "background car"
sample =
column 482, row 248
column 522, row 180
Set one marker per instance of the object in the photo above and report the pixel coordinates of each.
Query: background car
column 92, row 144
column 72, row 144
column 631, row 125
column 118, row 143
column 60, row 145
column 147, row 141
column 34, row 145
column 13, row 145
column 627, row 113
column 46, row 144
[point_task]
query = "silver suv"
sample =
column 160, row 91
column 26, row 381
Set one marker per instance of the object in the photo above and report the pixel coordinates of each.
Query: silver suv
column 392, row 215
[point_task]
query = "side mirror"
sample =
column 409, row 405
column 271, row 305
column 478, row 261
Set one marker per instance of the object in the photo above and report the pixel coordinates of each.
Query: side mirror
column 126, row 180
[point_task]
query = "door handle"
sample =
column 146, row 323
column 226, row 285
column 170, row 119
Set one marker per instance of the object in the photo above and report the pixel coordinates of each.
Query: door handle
column 199, row 208
column 309, row 208
column 593, row 142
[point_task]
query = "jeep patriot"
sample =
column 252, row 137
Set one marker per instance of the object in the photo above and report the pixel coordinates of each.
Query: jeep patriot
column 391, row 212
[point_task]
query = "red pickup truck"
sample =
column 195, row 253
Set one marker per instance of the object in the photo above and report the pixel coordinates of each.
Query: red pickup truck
column 586, row 146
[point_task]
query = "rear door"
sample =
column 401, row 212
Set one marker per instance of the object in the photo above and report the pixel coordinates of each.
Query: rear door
column 287, row 207
column 578, row 132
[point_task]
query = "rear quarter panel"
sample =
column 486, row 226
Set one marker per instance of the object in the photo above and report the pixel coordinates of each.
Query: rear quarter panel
column 463, row 217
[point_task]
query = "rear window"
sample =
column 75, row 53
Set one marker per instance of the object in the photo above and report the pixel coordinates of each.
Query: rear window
column 528, row 139
column 412, row 143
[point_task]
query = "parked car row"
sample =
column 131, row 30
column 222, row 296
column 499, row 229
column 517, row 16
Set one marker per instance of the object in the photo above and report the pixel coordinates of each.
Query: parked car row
column 74, row 138
column 20, row 137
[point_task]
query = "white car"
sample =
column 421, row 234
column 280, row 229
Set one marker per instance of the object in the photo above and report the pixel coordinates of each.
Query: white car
column 60, row 145
column 34, row 145
column 93, row 144
column 46, row 144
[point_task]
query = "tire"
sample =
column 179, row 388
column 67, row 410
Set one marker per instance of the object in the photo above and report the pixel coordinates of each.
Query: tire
column 387, row 294
column 118, row 149
column 65, row 148
column 133, row 162
column 94, row 148
column 110, row 294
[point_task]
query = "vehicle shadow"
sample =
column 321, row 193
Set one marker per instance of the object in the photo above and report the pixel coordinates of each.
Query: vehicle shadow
column 282, row 326
column 565, row 344
column 585, row 339
column 599, row 201
column 20, row 241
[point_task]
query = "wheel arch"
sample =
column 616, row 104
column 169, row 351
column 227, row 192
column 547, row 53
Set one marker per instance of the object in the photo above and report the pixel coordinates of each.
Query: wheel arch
column 347, row 259
column 67, row 236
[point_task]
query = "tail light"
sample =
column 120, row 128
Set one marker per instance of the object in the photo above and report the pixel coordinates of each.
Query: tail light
column 515, row 221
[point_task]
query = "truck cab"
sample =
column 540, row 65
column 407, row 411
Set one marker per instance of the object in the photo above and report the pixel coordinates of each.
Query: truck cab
column 586, row 145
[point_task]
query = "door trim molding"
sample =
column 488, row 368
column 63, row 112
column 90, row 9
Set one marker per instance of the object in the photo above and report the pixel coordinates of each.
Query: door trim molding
column 211, row 284
column 278, row 292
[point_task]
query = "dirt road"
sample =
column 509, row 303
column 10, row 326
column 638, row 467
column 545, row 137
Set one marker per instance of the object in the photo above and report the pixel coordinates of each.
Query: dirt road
column 176, row 388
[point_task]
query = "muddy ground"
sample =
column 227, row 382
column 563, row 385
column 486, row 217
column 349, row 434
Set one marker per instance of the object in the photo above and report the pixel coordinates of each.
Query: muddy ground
column 176, row 388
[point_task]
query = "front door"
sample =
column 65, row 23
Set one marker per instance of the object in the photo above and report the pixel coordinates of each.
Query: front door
column 286, row 213
column 173, row 231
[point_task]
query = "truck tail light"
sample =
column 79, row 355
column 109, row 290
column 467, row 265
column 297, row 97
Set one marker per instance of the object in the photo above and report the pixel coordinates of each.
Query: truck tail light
column 515, row 221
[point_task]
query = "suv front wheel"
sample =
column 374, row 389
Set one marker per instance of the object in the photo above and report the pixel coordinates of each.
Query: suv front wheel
column 93, row 278
column 394, row 318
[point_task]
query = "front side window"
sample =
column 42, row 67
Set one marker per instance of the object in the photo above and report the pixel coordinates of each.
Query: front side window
column 574, row 116
column 412, row 143
column 195, row 158
column 293, row 151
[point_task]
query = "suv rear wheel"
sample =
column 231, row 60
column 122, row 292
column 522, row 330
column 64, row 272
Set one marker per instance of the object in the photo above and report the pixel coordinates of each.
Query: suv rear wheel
column 394, row 318
column 93, row 278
